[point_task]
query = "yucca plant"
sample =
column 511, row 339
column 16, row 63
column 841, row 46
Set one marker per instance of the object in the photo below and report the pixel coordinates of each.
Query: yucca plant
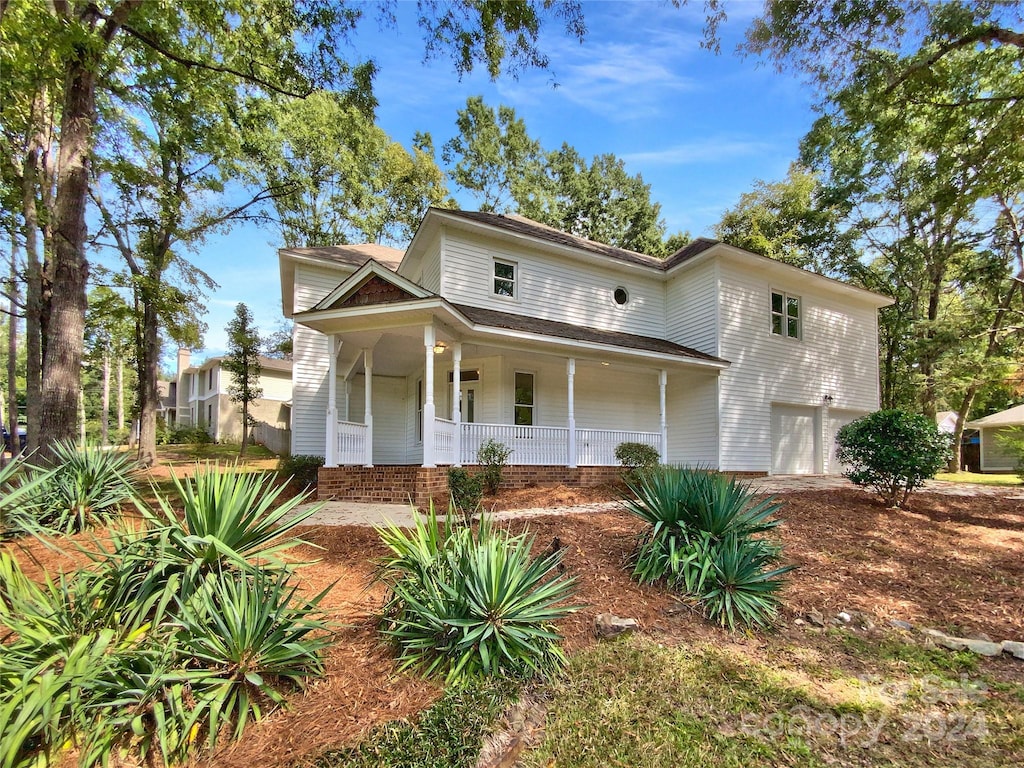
column 20, row 489
column 246, row 633
column 464, row 604
column 230, row 519
column 85, row 487
column 705, row 537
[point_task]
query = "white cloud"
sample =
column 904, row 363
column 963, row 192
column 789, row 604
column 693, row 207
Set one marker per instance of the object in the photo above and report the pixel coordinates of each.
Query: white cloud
column 709, row 150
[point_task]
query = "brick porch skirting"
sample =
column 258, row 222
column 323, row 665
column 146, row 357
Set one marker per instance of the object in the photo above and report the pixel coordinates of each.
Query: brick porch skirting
column 418, row 485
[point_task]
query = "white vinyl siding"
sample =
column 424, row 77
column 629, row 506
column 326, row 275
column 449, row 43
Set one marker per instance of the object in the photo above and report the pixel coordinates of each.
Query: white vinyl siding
column 553, row 287
column 692, row 405
column 995, row 457
column 309, row 362
column 389, row 427
column 838, row 355
column 430, row 277
column 691, row 308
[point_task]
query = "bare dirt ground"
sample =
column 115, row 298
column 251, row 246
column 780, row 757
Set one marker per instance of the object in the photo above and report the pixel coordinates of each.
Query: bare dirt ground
column 952, row 562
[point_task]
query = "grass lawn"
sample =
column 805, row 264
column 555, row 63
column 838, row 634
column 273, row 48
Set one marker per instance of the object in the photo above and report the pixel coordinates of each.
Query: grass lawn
column 980, row 479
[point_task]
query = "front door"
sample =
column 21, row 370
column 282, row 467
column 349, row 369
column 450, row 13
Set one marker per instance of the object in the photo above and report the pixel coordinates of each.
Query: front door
column 468, row 397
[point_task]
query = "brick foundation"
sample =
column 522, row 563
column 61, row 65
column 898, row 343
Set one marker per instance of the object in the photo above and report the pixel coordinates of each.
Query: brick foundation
column 418, row 485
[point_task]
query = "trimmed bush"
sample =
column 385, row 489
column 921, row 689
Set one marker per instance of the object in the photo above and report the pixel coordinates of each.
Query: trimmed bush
column 705, row 537
column 893, row 452
column 466, row 491
column 636, row 458
column 493, row 457
column 301, row 468
column 464, row 604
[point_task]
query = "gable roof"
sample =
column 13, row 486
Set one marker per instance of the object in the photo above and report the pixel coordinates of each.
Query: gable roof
column 266, row 364
column 1011, row 417
column 371, row 271
column 356, row 255
column 513, row 322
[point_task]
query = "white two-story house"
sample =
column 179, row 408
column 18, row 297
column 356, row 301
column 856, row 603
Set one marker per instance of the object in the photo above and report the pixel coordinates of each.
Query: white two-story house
column 493, row 326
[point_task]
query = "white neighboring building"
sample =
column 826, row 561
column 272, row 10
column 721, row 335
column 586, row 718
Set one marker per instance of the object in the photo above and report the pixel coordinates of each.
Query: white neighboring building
column 494, row 326
column 995, row 456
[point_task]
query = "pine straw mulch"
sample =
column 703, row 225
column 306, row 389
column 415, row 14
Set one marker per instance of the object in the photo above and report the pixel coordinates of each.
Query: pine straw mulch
column 952, row 562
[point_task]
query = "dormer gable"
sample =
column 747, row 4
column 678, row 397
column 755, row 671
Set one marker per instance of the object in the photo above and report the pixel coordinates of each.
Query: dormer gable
column 372, row 283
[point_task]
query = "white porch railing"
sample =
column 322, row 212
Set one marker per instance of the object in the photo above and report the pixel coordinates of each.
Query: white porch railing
column 351, row 443
column 444, row 441
column 596, row 447
column 530, row 445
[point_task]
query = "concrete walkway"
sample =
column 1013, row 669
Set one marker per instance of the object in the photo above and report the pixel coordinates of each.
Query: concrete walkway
column 354, row 513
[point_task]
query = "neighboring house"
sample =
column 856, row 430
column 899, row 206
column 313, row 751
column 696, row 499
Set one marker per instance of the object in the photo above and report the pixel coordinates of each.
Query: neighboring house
column 995, row 456
column 496, row 327
column 202, row 397
column 167, row 403
column 946, row 421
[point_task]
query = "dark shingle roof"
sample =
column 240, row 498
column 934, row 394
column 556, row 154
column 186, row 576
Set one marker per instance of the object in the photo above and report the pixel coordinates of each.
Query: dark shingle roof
column 356, row 255
column 525, row 226
column 514, row 322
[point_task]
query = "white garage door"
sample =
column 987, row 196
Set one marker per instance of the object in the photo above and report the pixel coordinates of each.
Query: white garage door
column 794, row 441
column 838, row 419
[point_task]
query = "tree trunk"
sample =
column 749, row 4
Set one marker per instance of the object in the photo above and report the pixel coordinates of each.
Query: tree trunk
column 62, row 362
column 120, row 393
column 245, row 428
column 105, row 406
column 33, row 298
column 149, row 360
column 12, row 361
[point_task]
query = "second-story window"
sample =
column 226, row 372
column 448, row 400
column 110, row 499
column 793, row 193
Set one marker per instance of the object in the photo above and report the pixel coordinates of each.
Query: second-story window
column 785, row 315
column 505, row 279
column 209, row 381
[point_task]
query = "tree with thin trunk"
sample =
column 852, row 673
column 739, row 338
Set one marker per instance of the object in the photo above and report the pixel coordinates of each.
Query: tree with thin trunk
column 242, row 363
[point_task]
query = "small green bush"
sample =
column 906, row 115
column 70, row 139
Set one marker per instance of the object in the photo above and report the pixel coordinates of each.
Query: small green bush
column 466, row 491
column 636, row 458
column 493, row 457
column 705, row 537
column 302, row 468
column 893, row 452
column 464, row 604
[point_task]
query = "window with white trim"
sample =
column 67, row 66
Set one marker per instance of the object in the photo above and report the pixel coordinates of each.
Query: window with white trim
column 505, row 278
column 785, row 315
column 524, row 400
column 419, row 410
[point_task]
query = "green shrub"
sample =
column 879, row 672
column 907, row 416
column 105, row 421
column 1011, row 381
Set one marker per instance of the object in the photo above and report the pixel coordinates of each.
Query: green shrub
column 893, row 452
column 705, row 537
column 183, row 435
column 180, row 630
column 464, row 604
column 636, row 458
column 493, row 457
column 466, row 491
column 301, row 468
column 83, row 489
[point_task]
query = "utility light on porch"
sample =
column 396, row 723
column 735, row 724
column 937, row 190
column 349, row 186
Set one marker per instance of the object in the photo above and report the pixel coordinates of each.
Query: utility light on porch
column 440, row 347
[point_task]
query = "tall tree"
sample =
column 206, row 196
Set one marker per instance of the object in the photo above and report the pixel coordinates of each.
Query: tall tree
column 242, row 362
column 785, row 220
column 109, row 337
column 338, row 176
column 272, row 45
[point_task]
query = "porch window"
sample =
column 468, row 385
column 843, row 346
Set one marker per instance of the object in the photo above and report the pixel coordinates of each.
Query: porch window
column 505, row 279
column 785, row 315
column 524, row 399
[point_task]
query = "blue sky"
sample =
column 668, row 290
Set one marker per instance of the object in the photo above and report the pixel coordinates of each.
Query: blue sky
column 700, row 128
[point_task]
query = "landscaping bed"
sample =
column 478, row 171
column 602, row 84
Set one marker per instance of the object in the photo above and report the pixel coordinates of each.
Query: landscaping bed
column 951, row 562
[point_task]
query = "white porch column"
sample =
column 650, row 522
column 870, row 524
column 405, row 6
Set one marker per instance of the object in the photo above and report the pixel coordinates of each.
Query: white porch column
column 662, row 383
column 428, row 396
column 457, row 399
column 571, row 421
column 368, row 404
column 331, row 432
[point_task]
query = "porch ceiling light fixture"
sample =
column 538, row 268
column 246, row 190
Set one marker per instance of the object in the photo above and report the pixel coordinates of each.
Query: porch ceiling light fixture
column 440, row 347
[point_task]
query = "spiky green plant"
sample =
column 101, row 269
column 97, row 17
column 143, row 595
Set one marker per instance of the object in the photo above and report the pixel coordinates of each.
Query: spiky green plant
column 465, row 604
column 245, row 634
column 231, row 518
column 705, row 537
